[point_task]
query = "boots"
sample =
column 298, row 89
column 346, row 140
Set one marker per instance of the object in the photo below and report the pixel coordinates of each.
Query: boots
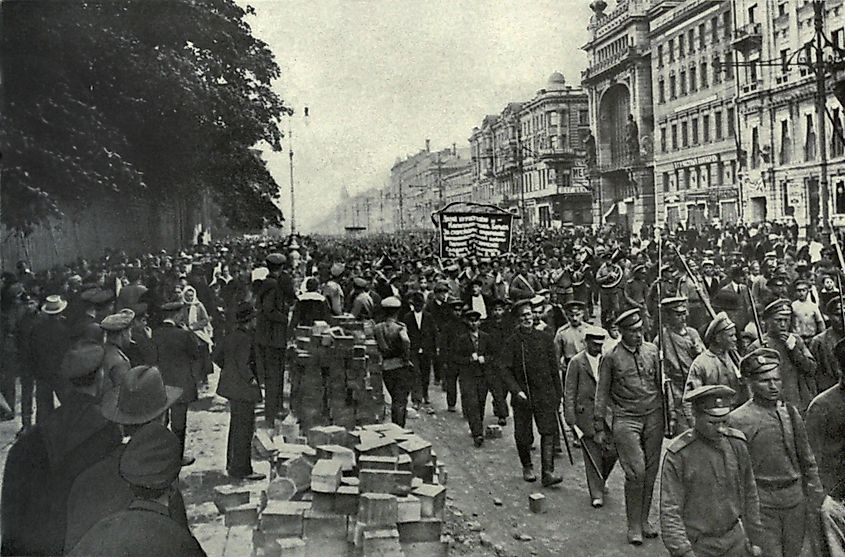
column 527, row 468
column 547, row 458
column 634, row 512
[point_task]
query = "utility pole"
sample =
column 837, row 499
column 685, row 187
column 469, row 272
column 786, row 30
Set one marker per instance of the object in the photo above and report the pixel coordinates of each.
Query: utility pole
column 821, row 109
column 519, row 175
column 292, row 195
column 401, row 208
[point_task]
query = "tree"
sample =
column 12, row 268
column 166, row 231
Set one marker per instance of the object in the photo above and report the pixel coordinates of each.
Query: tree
column 138, row 98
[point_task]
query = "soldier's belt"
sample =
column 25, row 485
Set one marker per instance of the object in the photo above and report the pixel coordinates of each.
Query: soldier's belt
column 776, row 484
column 716, row 533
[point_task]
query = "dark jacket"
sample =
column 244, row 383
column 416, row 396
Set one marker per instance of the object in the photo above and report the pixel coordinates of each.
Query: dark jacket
column 50, row 340
column 422, row 337
column 236, row 358
column 40, row 470
column 274, row 300
column 177, row 349
column 579, row 398
column 530, row 356
column 310, row 307
column 734, row 303
column 145, row 528
column 461, row 349
column 99, row 492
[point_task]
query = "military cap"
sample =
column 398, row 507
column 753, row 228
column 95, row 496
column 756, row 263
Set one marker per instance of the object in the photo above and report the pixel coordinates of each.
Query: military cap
column 781, row 306
column 630, row 319
column 574, row 304
column 707, row 262
column 140, row 309
column 455, row 302
column 708, row 253
column 81, row 360
column 711, row 399
column 441, row 287
column 538, row 300
column 152, row 458
column 595, row 333
column 360, row 282
column 391, row 302
column 759, row 361
column 102, row 297
column 721, row 322
column 832, row 306
column 118, row 321
column 770, row 255
column 337, row 269
column 499, row 302
column 519, row 304
column 174, row 305
column 675, row 303
column 276, row 259
column 638, row 269
column 801, row 282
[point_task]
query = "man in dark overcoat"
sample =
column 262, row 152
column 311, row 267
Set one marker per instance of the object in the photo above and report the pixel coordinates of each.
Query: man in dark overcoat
column 50, row 339
column 469, row 356
column 499, row 328
column 239, row 383
column 138, row 399
column 422, row 333
column 44, row 462
column 177, row 350
column 530, row 370
column 275, row 297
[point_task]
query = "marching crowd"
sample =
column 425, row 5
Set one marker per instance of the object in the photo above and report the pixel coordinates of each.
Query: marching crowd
column 728, row 341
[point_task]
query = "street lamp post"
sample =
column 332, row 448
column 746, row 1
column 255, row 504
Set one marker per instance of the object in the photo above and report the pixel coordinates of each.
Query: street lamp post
column 290, row 157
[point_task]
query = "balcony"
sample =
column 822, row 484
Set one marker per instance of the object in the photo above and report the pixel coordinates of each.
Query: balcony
column 621, row 162
column 556, row 154
column 599, row 67
column 747, row 38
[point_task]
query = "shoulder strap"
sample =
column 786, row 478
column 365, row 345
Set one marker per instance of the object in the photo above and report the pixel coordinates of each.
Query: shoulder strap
column 681, row 441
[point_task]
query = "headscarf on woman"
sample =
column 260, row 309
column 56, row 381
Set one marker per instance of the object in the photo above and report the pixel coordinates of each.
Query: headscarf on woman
column 196, row 318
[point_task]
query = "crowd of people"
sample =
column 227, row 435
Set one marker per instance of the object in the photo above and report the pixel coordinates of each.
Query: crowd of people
column 726, row 340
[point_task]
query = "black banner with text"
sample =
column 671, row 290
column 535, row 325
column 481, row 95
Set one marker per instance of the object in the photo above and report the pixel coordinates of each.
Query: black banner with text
column 479, row 234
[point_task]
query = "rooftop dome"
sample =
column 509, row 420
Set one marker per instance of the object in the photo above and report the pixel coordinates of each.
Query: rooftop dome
column 556, row 82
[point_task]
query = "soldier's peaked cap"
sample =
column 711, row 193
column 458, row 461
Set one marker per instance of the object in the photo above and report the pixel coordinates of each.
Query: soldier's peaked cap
column 759, row 361
column 711, row 399
column 630, row 319
column 675, row 303
column 779, row 307
column 721, row 322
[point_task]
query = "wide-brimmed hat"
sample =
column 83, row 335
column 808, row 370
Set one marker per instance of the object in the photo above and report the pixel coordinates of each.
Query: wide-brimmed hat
column 54, row 305
column 140, row 397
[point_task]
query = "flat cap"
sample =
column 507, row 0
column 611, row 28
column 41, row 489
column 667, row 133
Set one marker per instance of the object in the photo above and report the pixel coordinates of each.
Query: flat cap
column 152, row 458
column 118, row 321
column 391, row 302
column 470, row 314
column 711, row 399
column 707, row 262
column 537, row 300
column 630, row 319
column 500, row 302
column 779, row 307
column 87, row 294
column 675, row 303
column 595, row 333
column 140, row 309
column 801, row 282
column 102, row 297
column 455, row 302
column 175, row 305
column 81, row 360
column 574, row 304
column 441, row 287
column 276, row 259
column 759, row 361
column 519, row 304
column 770, row 255
column 721, row 322
column 360, row 282
column 778, row 280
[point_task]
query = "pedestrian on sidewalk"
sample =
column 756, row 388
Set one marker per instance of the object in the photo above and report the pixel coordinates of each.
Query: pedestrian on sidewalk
column 239, row 384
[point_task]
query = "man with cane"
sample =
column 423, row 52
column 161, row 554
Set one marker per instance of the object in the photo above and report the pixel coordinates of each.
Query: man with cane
column 529, row 368
column 579, row 403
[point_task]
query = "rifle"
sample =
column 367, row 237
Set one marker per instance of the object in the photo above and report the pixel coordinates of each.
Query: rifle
column 756, row 319
column 734, row 357
column 839, row 274
column 557, row 411
column 665, row 383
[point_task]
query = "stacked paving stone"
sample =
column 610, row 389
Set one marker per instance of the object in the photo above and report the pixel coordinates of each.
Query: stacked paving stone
column 375, row 490
column 335, row 373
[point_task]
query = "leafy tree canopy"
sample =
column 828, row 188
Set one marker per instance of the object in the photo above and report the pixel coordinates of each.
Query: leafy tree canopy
column 157, row 99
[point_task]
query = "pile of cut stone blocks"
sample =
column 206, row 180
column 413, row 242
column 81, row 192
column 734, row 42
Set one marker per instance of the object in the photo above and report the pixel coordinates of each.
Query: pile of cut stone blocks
column 335, row 374
column 375, row 490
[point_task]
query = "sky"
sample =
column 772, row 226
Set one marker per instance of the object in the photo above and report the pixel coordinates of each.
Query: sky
column 381, row 77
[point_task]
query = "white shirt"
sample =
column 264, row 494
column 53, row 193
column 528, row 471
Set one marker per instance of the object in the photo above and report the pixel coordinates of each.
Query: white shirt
column 418, row 319
column 594, row 364
column 477, row 303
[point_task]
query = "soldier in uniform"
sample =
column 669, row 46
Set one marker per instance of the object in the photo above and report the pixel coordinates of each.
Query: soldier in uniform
column 822, row 345
column 570, row 339
column 708, row 499
column 714, row 366
column 395, row 347
column 629, row 385
column 118, row 337
column 797, row 365
column 579, row 403
column 531, row 373
column 635, row 294
column 825, row 424
column 784, row 467
column 683, row 346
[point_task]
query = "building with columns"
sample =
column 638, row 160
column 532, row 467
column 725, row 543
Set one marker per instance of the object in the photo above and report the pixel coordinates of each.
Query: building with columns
column 694, row 86
column 618, row 82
